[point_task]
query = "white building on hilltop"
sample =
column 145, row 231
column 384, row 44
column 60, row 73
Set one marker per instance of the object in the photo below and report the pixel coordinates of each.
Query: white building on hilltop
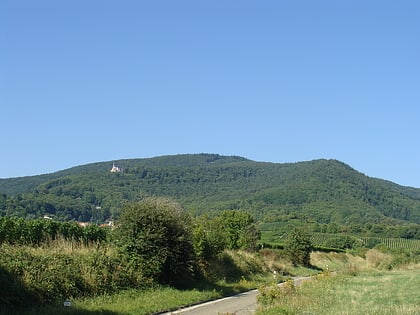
column 115, row 169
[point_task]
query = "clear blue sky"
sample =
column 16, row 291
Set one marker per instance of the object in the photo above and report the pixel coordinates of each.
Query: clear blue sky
column 279, row 81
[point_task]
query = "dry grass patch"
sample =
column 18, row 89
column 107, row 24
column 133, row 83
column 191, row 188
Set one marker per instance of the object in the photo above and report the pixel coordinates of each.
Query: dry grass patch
column 338, row 261
column 377, row 259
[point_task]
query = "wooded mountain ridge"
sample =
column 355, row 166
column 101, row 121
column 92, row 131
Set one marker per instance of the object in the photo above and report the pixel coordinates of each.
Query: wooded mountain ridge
column 321, row 191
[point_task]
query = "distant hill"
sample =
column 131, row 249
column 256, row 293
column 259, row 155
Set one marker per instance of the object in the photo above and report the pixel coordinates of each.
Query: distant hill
column 319, row 191
column 17, row 185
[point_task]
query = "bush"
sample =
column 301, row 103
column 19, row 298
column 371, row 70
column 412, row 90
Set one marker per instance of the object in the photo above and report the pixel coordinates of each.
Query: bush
column 276, row 293
column 45, row 278
column 156, row 236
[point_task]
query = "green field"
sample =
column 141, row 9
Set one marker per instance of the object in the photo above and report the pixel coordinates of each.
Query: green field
column 366, row 292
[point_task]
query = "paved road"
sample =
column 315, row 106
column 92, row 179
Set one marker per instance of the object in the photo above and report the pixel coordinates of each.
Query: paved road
column 240, row 304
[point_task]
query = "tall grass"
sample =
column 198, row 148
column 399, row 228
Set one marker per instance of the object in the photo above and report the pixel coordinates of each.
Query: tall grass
column 338, row 261
column 355, row 289
column 46, row 274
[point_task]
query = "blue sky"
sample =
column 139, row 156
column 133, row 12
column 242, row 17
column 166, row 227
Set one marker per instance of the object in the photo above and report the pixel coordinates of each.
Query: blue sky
column 277, row 81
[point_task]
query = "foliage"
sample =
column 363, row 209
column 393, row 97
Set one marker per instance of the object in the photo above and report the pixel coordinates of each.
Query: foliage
column 43, row 261
column 276, row 293
column 48, row 274
column 155, row 299
column 341, row 242
column 231, row 229
column 327, row 194
column 156, row 236
column 298, row 247
column 209, row 238
column 157, row 239
column 239, row 228
column 35, row 232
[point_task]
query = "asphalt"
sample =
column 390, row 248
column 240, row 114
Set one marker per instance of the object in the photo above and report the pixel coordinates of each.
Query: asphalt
column 240, row 304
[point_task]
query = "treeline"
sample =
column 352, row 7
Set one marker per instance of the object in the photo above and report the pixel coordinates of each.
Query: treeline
column 409, row 231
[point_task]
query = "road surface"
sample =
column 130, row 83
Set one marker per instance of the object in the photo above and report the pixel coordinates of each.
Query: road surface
column 240, row 304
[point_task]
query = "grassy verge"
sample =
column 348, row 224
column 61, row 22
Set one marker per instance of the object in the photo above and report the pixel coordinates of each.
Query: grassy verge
column 365, row 292
column 164, row 298
column 137, row 302
column 232, row 273
column 127, row 302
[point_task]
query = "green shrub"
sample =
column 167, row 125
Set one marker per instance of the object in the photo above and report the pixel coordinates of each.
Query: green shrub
column 107, row 273
column 276, row 293
column 12, row 291
column 155, row 235
column 45, row 278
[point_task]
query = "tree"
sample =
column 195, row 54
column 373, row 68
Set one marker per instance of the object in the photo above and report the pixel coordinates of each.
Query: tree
column 298, row 247
column 241, row 232
column 209, row 238
column 156, row 236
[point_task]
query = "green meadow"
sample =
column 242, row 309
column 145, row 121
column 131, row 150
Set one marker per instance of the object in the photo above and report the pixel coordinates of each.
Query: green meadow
column 356, row 287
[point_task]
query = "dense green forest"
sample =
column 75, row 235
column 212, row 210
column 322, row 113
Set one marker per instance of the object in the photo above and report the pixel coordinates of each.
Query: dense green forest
column 327, row 195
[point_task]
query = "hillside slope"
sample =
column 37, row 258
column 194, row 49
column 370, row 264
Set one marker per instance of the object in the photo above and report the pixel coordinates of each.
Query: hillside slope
column 17, row 185
column 322, row 191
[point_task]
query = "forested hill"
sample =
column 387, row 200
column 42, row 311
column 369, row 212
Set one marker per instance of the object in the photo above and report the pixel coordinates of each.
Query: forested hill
column 13, row 186
column 322, row 191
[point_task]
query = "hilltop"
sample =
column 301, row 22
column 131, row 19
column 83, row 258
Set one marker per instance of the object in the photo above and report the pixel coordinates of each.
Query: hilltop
column 317, row 192
column 17, row 185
